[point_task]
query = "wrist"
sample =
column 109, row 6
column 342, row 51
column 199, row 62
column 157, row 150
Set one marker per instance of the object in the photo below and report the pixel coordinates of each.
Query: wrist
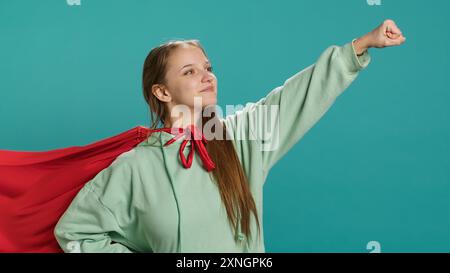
column 361, row 45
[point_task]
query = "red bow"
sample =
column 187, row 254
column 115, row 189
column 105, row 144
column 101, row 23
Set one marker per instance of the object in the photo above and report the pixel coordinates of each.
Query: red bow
column 198, row 141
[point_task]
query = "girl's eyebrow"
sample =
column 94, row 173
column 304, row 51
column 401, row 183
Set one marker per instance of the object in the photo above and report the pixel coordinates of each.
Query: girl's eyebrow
column 207, row 62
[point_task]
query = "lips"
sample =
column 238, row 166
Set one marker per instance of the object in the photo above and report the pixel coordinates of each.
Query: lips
column 208, row 89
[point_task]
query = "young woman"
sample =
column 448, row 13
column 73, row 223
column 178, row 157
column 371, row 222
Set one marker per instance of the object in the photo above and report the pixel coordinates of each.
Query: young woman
column 159, row 197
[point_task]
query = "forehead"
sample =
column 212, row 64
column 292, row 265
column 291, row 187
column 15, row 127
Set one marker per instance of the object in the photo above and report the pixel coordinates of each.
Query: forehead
column 186, row 54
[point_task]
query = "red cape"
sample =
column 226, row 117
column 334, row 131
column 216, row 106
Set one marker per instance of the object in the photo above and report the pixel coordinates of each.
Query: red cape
column 37, row 187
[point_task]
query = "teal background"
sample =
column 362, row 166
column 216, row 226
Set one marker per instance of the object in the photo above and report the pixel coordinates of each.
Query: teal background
column 377, row 165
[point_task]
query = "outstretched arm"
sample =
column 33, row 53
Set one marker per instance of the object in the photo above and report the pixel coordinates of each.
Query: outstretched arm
column 305, row 97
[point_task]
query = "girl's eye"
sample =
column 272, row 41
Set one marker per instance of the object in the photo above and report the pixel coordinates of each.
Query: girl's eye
column 191, row 71
column 187, row 72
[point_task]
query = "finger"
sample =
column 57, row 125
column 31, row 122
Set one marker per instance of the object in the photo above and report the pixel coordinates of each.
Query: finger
column 395, row 29
column 391, row 35
column 403, row 39
column 392, row 27
column 396, row 42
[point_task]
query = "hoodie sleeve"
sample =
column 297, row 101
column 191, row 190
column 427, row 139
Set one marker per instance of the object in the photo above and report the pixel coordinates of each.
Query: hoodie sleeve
column 89, row 225
column 280, row 119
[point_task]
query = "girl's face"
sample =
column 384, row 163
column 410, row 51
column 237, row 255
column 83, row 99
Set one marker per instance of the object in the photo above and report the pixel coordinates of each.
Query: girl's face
column 189, row 75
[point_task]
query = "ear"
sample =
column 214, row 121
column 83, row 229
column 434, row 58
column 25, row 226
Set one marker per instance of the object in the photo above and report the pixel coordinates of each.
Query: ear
column 160, row 91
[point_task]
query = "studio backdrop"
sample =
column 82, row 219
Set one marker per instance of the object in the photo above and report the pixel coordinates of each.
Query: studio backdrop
column 372, row 175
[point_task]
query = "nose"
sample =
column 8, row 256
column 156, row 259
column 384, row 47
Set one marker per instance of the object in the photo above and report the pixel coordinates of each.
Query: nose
column 208, row 77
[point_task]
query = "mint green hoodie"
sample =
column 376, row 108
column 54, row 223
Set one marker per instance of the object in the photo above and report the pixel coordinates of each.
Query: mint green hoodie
column 145, row 201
